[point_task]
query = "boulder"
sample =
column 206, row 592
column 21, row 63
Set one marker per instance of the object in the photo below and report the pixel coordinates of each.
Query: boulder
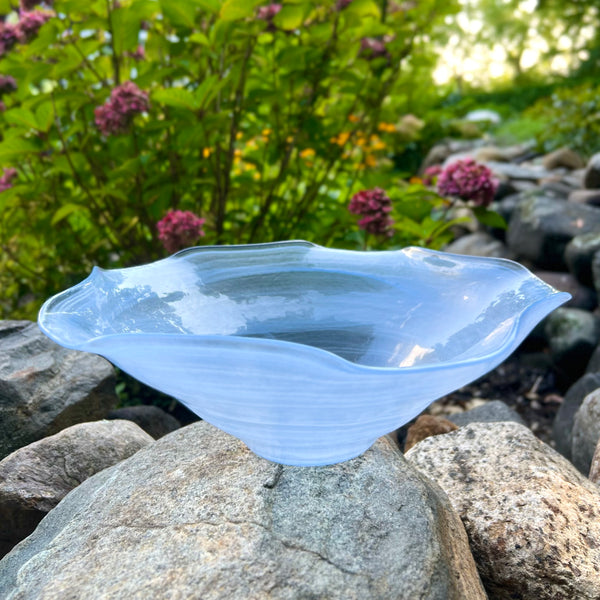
column 494, row 411
column 426, row 426
column 562, row 428
column 591, row 197
column 591, row 175
column 478, row 244
column 582, row 296
column 45, row 388
column 593, row 365
column 572, row 335
column 596, row 271
column 563, row 157
column 541, row 227
column 530, row 515
column 152, row 419
column 35, row 478
column 579, row 254
column 586, row 432
column 197, row 515
column 595, row 468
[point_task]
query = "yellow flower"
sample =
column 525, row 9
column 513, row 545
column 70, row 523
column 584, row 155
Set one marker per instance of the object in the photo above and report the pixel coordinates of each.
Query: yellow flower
column 387, row 127
column 239, row 135
column 353, row 119
column 415, row 180
column 206, row 152
column 307, row 153
column 266, row 132
column 370, row 160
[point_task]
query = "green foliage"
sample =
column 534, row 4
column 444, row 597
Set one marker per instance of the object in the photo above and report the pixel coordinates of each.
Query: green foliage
column 263, row 127
column 571, row 117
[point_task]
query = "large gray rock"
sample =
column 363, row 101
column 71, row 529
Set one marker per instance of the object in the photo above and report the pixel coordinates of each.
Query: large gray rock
column 579, row 254
column 582, row 296
column 586, row 432
column 563, row 157
column 197, row 515
column 479, row 243
column 541, row 227
column 34, row 479
column 530, row 515
column 151, row 419
column 562, row 428
column 45, row 388
column 494, row 411
column 573, row 335
column 591, row 176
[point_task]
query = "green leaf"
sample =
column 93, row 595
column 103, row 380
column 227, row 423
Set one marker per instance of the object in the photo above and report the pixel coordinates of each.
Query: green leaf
column 289, row 17
column 16, row 148
column 64, row 211
column 126, row 28
column 199, row 38
column 363, row 8
column 176, row 97
column 490, row 218
column 21, row 116
column 233, row 10
column 213, row 6
column 44, row 115
column 179, row 13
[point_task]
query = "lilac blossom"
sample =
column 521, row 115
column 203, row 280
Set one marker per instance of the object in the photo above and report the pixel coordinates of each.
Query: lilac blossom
column 116, row 115
column 179, row 229
column 341, row 4
column 431, row 174
column 374, row 207
column 30, row 23
column 468, row 180
column 6, row 180
column 9, row 36
column 373, row 48
column 267, row 13
column 7, row 84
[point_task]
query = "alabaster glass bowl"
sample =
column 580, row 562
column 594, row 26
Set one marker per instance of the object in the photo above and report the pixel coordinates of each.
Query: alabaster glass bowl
column 307, row 354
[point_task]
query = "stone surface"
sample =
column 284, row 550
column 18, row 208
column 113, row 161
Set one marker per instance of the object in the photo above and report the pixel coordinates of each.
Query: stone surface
column 591, row 175
column 583, row 297
column 152, row 419
column 516, row 172
column 478, row 244
column 541, row 227
column 494, row 411
column 596, row 271
column 573, row 335
column 197, row 515
column 586, row 432
column 579, row 254
column 35, row 478
column 532, row 519
column 591, row 197
column 595, row 468
column 593, row 365
column 426, row 426
column 45, row 388
column 563, row 157
column 562, row 428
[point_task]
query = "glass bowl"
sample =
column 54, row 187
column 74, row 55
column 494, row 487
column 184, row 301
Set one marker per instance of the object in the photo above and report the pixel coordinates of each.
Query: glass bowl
column 307, row 354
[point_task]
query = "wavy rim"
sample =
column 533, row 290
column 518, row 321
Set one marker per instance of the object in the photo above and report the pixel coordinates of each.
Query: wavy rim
column 553, row 301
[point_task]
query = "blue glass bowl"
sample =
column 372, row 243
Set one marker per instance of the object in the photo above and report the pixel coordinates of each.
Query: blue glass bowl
column 307, row 354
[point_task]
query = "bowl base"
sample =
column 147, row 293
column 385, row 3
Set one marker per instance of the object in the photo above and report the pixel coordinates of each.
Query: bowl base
column 310, row 457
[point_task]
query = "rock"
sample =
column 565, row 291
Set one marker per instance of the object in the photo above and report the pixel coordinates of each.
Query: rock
column 595, row 468
column 591, row 197
column 426, row 426
column 596, row 270
column 586, row 432
column 582, row 297
column 494, row 411
column 436, row 156
column 579, row 254
column 483, row 115
column 152, row 419
column 513, row 171
column 478, row 244
column 591, row 175
column 490, row 153
column 541, row 227
column 508, row 205
column 563, row 157
column 572, row 335
column 197, row 515
column 34, row 479
column 562, row 428
column 593, row 365
column 504, row 189
column 45, row 388
column 532, row 519
column 552, row 188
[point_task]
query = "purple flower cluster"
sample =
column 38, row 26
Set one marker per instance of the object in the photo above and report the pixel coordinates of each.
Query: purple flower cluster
column 468, row 180
column 115, row 115
column 138, row 54
column 179, row 229
column 374, row 206
column 6, row 181
column 373, row 48
column 267, row 13
column 431, row 174
column 341, row 4
column 23, row 31
column 7, row 85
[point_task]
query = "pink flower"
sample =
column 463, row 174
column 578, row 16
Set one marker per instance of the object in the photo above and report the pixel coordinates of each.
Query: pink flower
column 116, row 115
column 138, row 54
column 9, row 36
column 468, row 180
column 374, row 206
column 268, row 12
column 179, row 229
column 30, row 23
column 341, row 4
column 431, row 174
column 6, row 181
column 373, row 48
column 7, row 84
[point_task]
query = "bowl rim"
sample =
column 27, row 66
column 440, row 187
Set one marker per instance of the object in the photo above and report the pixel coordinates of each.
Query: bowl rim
column 553, row 300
